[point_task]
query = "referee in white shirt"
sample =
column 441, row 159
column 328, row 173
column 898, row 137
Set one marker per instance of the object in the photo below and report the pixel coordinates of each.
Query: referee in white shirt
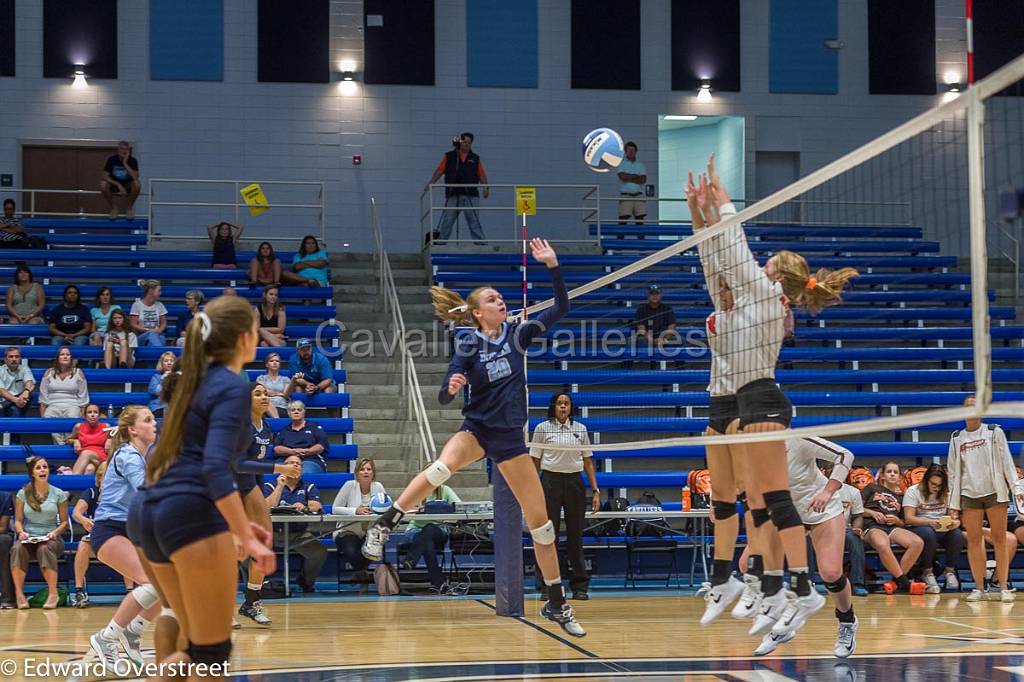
column 563, row 486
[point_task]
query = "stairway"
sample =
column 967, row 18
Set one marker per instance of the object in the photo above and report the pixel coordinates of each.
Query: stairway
column 383, row 429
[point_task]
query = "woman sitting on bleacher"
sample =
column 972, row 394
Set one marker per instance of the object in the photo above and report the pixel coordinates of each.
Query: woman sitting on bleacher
column 883, row 525
column 354, row 498
column 924, row 506
column 101, row 313
column 63, row 391
column 148, row 316
column 70, row 322
column 164, row 366
column 40, row 518
column 26, row 299
column 271, row 314
column 309, row 265
column 265, row 266
column 89, row 439
column 193, row 304
column 279, row 387
column 120, row 342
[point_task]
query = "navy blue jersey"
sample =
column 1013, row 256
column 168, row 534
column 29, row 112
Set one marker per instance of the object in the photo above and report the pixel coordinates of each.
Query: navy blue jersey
column 494, row 367
column 249, row 471
column 216, row 435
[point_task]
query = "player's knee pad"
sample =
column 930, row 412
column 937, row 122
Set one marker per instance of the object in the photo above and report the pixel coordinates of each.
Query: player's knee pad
column 760, row 516
column 723, row 510
column 836, row 586
column 437, row 473
column 782, row 510
column 210, row 654
column 146, row 596
column 545, row 535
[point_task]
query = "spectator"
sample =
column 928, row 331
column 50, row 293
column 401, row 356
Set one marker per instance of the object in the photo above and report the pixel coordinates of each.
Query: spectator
column 229, row 291
column 633, row 177
column 311, row 371
column 287, row 491
column 271, row 315
column 427, row 539
column 309, row 265
column 164, row 366
column 120, row 184
column 26, row 299
column 193, row 304
column 100, row 314
column 40, row 518
column 265, row 266
column 883, row 526
column 460, row 166
column 981, row 476
column 655, row 321
column 16, row 384
column 89, row 439
column 120, row 342
column 82, row 514
column 6, row 542
column 853, row 507
column 224, row 241
column 148, row 315
column 63, row 391
column 279, row 387
column 354, row 498
column 563, row 485
column 924, row 506
column 302, row 438
column 70, row 322
column 12, row 232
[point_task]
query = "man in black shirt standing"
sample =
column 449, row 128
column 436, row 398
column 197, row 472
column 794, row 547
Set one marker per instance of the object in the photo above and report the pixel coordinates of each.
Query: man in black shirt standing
column 656, row 321
column 120, row 182
column 461, row 166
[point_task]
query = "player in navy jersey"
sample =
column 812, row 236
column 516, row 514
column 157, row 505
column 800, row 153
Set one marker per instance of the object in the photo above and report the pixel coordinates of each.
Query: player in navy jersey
column 491, row 361
column 192, row 506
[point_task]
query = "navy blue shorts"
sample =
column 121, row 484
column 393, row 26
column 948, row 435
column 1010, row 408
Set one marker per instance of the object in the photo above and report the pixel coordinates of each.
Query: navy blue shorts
column 498, row 446
column 105, row 530
column 246, row 483
column 177, row 521
column 133, row 526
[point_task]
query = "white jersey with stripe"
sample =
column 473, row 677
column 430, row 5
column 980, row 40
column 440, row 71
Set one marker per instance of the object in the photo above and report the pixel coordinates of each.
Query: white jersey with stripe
column 806, row 480
column 980, row 464
column 718, row 324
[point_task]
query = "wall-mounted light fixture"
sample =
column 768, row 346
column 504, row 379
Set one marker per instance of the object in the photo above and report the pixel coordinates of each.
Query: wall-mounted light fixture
column 704, row 92
column 952, row 92
column 348, row 76
column 79, row 76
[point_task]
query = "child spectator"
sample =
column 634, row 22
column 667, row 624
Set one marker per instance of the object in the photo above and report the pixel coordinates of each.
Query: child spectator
column 265, row 266
column 148, row 315
column 63, row 391
column 354, row 498
column 89, row 439
column 227, row 235
column 193, row 304
column 164, row 366
column 40, row 518
column 883, row 525
column 924, row 505
column 271, row 315
column 279, row 387
column 309, row 266
column 70, row 322
column 119, row 342
column 26, row 299
column 101, row 315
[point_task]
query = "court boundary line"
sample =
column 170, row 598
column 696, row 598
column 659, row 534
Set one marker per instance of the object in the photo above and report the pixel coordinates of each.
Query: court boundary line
column 558, row 638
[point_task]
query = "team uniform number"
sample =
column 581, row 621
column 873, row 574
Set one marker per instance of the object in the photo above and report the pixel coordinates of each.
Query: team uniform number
column 498, row 369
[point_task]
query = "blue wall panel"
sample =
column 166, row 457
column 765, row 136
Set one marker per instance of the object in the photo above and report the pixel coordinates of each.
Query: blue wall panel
column 186, row 40
column 799, row 60
column 501, row 43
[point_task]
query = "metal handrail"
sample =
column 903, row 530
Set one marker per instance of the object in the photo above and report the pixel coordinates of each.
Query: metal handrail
column 30, row 209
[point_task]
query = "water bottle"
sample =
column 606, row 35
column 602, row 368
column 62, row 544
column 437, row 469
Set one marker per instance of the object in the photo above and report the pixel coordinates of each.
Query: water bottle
column 686, row 498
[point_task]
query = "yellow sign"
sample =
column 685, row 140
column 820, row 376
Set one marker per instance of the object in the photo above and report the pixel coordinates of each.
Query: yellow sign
column 255, row 199
column 526, row 200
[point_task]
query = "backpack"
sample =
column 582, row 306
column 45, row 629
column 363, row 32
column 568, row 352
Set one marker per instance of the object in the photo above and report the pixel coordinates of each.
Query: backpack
column 386, row 578
column 438, row 507
column 860, row 477
column 38, row 599
column 699, row 481
column 654, row 526
column 601, row 528
column 912, row 477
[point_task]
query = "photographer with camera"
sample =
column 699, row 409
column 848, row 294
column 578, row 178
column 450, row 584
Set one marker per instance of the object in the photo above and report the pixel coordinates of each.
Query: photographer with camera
column 121, row 180
column 460, row 166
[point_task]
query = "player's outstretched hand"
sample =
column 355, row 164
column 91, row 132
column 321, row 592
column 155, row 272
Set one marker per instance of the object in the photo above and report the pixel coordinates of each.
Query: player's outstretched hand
column 455, row 383
column 543, row 252
column 719, row 195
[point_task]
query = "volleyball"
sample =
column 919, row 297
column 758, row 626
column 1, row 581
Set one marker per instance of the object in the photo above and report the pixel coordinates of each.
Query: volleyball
column 380, row 503
column 602, row 150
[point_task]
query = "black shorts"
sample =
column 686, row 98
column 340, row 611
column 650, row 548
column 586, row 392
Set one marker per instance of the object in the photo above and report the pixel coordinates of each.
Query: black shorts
column 722, row 410
column 871, row 524
column 763, row 401
column 133, row 526
column 246, row 483
column 177, row 521
column 104, row 530
column 498, row 446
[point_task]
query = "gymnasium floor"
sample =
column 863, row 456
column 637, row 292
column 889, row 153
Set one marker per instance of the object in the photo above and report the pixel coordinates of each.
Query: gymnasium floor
column 631, row 637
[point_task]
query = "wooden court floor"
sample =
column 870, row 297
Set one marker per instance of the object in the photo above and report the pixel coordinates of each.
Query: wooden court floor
column 631, row 637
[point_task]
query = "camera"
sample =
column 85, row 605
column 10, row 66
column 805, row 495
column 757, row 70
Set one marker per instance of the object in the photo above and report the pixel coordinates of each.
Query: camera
column 456, row 141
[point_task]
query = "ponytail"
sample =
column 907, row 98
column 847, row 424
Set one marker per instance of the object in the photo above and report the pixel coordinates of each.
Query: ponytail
column 450, row 307
column 812, row 293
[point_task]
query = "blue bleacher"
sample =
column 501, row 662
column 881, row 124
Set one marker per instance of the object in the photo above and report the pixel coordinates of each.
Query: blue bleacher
column 122, row 256
column 539, row 282
column 837, row 313
column 84, row 224
column 693, row 425
column 803, row 333
column 691, row 353
column 148, row 353
column 64, row 425
column 511, row 260
column 932, row 377
column 618, row 399
column 691, row 296
column 124, row 294
column 77, row 274
column 142, row 376
column 10, row 453
column 295, row 311
column 294, row 331
column 764, row 231
column 909, row 246
column 898, row 449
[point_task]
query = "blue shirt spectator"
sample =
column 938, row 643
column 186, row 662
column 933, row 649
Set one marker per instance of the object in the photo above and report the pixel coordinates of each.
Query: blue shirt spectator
column 311, row 364
column 294, row 492
column 305, row 439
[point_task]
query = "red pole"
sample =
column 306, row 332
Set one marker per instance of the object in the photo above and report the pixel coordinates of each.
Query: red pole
column 969, row 12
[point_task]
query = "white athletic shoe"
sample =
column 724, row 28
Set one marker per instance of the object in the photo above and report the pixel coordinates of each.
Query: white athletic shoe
column 718, row 598
column 993, row 592
column 770, row 642
column 1008, row 596
column 750, row 600
column 104, row 648
column 565, row 616
column 373, row 544
column 952, row 582
column 976, row 595
column 770, row 610
column 131, row 642
column 846, row 641
column 797, row 612
column 931, row 585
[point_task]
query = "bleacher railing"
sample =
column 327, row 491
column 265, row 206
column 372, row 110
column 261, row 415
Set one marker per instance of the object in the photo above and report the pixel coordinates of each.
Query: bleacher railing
column 31, row 202
column 410, row 383
column 672, row 210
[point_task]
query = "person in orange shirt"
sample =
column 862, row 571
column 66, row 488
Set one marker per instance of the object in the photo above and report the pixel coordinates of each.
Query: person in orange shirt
column 460, row 166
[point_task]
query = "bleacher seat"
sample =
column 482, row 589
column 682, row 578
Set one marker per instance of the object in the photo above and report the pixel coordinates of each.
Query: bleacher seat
column 294, row 331
column 482, row 260
column 936, row 377
column 764, row 231
column 45, row 425
column 146, row 353
column 126, row 293
column 650, row 424
column 11, row 453
column 619, row 399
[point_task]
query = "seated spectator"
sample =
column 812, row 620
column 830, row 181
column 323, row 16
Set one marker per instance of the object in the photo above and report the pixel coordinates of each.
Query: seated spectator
column 26, row 299
column 70, row 322
column 120, row 184
column 40, row 518
column 883, row 525
column 354, row 498
column 296, row 493
column 271, row 315
column 82, row 514
column 924, row 505
column 265, row 266
column 428, row 540
column 229, row 291
column 311, row 371
column 279, row 387
column 119, row 342
column 12, row 232
column 655, row 321
column 224, row 236
column 164, row 366
column 148, row 315
column 302, row 438
column 101, row 315
column 6, row 543
column 309, row 265
column 16, row 384
column 89, row 439
column 63, row 391
column 853, row 508
column 193, row 304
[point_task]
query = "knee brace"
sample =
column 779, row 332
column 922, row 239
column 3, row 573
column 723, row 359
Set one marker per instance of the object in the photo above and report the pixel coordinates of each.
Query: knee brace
column 545, row 535
column 760, row 517
column 723, row 510
column 782, row 510
column 437, row 473
column 145, row 595
column 837, row 586
column 210, row 654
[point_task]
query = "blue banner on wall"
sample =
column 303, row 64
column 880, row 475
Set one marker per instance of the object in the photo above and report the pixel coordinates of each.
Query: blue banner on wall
column 799, row 60
column 501, row 43
column 186, row 40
